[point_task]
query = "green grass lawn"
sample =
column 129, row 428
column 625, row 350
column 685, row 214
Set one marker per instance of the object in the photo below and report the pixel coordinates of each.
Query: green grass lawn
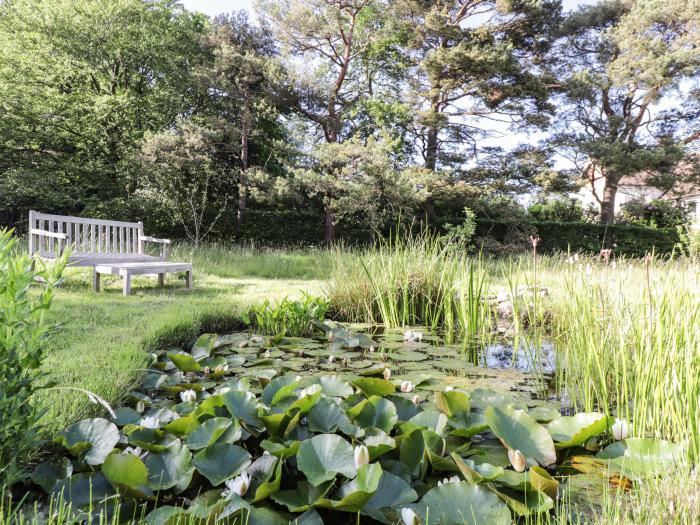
column 102, row 339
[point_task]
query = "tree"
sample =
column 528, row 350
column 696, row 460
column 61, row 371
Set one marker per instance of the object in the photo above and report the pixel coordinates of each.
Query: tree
column 329, row 45
column 245, row 91
column 474, row 63
column 611, row 120
column 81, row 81
column 186, row 176
column 359, row 180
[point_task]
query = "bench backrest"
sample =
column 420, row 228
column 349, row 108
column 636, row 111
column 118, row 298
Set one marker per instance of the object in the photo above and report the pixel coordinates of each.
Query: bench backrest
column 84, row 235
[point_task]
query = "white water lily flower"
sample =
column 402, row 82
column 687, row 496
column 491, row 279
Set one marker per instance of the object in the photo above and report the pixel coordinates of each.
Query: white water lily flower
column 416, row 400
column 140, row 406
column 516, row 459
column 406, row 387
column 409, row 517
column 449, row 388
column 412, row 336
column 371, row 348
column 238, row 485
column 267, row 354
column 387, row 374
column 331, row 358
column 207, row 370
column 221, row 369
column 361, row 456
column 620, row 429
column 188, row 396
column 149, row 422
column 445, row 481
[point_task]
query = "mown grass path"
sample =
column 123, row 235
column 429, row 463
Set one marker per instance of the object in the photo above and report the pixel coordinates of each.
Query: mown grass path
column 101, row 339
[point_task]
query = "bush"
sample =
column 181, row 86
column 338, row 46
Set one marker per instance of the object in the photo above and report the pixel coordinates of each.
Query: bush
column 287, row 317
column 463, row 233
column 655, row 214
column 23, row 337
column 625, row 239
column 558, row 210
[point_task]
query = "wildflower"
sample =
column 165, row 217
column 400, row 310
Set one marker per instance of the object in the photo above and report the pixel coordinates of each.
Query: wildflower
column 416, row 400
column 406, row 387
column 361, row 456
column 149, row 422
column 409, row 517
column 620, row 429
column 516, row 459
column 387, row 374
column 534, row 240
column 238, row 485
column 188, row 396
column 453, row 479
column 605, row 254
column 266, row 355
column 140, row 406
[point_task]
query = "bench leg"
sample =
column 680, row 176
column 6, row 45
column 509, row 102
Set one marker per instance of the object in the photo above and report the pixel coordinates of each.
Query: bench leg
column 161, row 279
column 127, row 284
column 189, row 279
column 95, row 280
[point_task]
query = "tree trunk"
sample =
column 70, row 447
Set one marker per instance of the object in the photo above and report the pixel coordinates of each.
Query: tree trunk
column 607, row 203
column 329, row 227
column 242, row 189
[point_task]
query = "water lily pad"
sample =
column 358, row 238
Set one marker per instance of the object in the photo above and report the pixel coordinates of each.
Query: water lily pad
column 462, row 504
column 392, row 493
column 128, row 474
column 172, row 468
column 324, row 456
column 211, row 430
column 372, row 386
column 334, row 386
column 46, row 474
column 326, row 416
column 90, row 439
column 303, row 497
column 574, row 431
column 354, row 495
column 374, row 412
column 221, row 461
column 378, row 442
column 243, row 406
column 184, row 361
column 640, row 457
column 407, row 355
column 203, row 346
column 521, row 432
column 84, row 489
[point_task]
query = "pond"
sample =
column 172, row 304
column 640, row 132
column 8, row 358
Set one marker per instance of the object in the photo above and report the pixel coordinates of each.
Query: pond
column 352, row 425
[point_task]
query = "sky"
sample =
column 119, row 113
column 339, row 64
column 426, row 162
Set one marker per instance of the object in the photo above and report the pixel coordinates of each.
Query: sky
column 216, row 7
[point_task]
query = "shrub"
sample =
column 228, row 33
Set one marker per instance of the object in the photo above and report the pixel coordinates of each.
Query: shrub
column 287, row 317
column 23, row 335
column 561, row 210
column 463, row 233
column 656, row 213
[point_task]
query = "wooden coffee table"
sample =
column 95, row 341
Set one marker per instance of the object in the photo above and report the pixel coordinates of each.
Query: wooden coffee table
column 126, row 270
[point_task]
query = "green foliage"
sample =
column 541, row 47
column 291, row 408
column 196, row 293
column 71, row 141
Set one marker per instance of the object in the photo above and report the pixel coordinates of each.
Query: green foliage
column 657, row 213
column 287, row 317
column 251, row 443
column 556, row 210
column 23, row 335
column 461, row 234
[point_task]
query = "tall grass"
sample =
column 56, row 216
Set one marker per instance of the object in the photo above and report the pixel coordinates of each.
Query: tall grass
column 628, row 339
column 414, row 280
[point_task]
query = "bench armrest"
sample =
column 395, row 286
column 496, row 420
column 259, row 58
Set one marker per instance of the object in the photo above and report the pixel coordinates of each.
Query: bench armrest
column 154, row 239
column 44, row 233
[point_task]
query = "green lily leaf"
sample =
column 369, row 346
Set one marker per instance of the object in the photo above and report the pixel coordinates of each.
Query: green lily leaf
column 182, row 426
column 90, row 439
column 184, row 361
column 303, row 497
column 280, row 449
column 165, row 515
column 374, row 412
column 525, row 503
column 327, row 415
column 244, row 407
column 203, row 346
column 372, row 386
column 521, row 432
column 642, row 457
column 128, row 474
column 46, row 474
column 324, row 456
column 392, row 493
column 378, row 442
column 84, row 489
column 544, row 413
column 221, row 461
column 270, row 393
column 454, row 404
column 462, row 504
column 265, row 477
column 574, row 431
column 472, row 425
column 310, row 517
column 542, row 481
column 172, row 468
column 354, row 495
column 334, row 386
column 474, row 473
column 430, row 419
column 211, row 431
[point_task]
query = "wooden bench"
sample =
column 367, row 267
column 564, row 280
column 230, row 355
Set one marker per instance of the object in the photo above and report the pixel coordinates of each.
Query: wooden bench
column 91, row 241
column 126, row 270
